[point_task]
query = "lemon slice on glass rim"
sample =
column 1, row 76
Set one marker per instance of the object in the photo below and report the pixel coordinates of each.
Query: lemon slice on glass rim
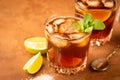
column 34, row 64
column 36, row 44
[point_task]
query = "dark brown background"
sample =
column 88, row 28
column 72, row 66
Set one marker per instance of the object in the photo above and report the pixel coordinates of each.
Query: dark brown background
column 21, row 19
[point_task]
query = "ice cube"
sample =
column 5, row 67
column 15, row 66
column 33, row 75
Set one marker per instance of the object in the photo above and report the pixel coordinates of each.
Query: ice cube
column 82, row 41
column 93, row 3
column 82, row 5
column 76, row 35
column 108, row 3
column 67, row 30
column 59, row 21
column 67, row 27
column 58, row 41
column 50, row 28
column 55, row 28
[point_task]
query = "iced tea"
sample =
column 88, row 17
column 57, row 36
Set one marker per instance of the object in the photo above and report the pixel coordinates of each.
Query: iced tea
column 100, row 9
column 67, row 48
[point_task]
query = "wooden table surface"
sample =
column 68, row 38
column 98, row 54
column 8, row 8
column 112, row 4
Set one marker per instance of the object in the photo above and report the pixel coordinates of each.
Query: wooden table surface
column 21, row 19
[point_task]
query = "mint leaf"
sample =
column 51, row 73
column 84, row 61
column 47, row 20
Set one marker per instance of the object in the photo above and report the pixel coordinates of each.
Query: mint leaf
column 87, row 19
column 89, row 29
column 98, row 25
column 78, row 25
column 88, row 24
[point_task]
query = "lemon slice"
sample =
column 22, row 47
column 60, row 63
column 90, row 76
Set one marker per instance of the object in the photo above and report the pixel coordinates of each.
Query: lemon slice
column 103, row 15
column 36, row 44
column 34, row 64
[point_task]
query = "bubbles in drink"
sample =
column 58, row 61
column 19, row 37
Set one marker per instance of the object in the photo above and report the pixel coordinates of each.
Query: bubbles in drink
column 58, row 41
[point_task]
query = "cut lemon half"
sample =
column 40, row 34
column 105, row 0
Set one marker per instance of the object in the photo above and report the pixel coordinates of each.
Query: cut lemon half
column 36, row 44
column 34, row 64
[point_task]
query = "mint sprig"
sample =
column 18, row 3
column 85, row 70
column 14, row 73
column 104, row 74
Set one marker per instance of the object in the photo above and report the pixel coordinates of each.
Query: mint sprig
column 79, row 25
column 88, row 24
column 98, row 25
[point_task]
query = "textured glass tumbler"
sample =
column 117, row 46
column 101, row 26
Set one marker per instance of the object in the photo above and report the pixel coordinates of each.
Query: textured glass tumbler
column 103, row 10
column 67, row 48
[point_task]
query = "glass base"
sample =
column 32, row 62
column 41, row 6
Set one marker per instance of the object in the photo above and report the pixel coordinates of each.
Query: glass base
column 69, row 70
column 99, row 42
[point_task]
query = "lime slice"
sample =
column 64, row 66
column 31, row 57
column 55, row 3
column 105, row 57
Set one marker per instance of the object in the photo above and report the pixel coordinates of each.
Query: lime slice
column 36, row 44
column 34, row 64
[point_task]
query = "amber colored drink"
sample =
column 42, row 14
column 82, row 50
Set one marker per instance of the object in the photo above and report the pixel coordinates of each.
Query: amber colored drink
column 100, row 9
column 67, row 48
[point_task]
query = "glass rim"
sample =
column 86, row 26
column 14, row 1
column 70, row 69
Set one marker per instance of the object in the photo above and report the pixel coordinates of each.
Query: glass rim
column 52, row 18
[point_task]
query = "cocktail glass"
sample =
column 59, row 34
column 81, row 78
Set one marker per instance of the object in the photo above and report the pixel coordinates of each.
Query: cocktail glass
column 67, row 48
column 103, row 10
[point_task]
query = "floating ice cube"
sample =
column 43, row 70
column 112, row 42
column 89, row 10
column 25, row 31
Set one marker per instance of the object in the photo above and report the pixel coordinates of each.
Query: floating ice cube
column 76, row 35
column 67, row 30
column 108, row 3
column 83, row 41
column 93, row 3
column 55, row 28
column 50, row 28
column 59, row 21
column 82, row 5
column 58, row 41
column 67, row 27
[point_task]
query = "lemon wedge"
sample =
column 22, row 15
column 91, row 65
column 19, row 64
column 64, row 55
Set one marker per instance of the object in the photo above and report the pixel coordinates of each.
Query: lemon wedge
column 34, row 64
column 36, row 44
